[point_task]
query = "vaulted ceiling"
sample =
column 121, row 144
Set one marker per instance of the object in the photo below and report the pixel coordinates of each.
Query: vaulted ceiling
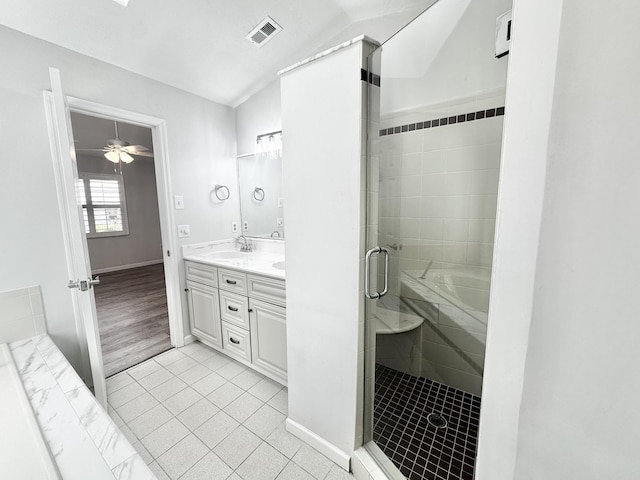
column 199, row 45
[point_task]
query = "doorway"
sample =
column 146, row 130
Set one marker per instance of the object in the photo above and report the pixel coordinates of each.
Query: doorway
column 58, row 107
column 122, row 224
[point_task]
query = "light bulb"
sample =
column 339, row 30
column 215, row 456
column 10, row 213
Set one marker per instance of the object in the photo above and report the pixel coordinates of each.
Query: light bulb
column 125, row 157
column 112, row 156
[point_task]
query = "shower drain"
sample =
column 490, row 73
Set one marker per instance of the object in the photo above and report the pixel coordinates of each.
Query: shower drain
column 437, row 420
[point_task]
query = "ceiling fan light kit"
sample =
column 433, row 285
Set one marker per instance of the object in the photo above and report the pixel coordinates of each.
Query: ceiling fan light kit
column 119, row 151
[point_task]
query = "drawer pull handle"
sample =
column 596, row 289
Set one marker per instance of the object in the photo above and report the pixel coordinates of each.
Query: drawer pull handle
column 231, row 282
column 234, row 341
column 233, row 309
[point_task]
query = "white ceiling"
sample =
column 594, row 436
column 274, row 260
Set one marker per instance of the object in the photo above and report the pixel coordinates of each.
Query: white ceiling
column 198, row 45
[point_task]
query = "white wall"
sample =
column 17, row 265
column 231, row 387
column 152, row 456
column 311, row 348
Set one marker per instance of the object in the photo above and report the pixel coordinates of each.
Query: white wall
column 324, row 245
column 579, row 416
column 532, row 62
column 260, row 114
column 450, row 56
column 143, row 243
column 201, row 138
column 560, row 391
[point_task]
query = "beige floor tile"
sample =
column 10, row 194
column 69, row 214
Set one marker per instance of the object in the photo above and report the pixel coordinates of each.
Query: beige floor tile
column 265, row 463
column 137, row 407
column 198, row 413
column 237, row 446
column 284, row 442
column 223, row 396
column 265, row 389
column 312, row 461
column 264, row 421
column 210, row 467
column 182, row 400
column 149, row 421
column 294, row 472
column 243, row 407
column 182, row 456
column 208, row 384
column 165, row 437
column 216, row 429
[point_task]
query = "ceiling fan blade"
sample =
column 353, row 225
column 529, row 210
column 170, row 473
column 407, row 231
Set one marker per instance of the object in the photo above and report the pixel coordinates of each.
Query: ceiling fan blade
column 142, row 154
column 92, row 152
column 135, row 148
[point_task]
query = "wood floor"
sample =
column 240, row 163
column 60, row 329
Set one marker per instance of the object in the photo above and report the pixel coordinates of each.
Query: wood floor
column 132, row 316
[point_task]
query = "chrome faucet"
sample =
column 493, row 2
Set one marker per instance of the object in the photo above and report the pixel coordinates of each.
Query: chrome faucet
column 245, row 245
column 421, row 277
column 275, row 234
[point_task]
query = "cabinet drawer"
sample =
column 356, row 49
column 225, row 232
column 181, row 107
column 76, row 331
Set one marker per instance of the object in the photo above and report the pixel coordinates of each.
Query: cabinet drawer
column 236, row 341
column 232, row 281
column 200, row 273
column 234, row 309
column 267, row 289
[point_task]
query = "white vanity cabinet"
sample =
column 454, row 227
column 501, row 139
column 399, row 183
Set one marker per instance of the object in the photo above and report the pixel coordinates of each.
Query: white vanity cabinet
column 204, row 303
column 269, row 337
column 241, row 314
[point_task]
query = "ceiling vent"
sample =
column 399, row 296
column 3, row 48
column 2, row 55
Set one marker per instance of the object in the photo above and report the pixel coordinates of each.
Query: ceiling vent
column 265, row 31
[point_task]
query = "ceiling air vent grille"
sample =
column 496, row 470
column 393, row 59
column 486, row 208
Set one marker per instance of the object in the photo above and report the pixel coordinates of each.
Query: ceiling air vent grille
column 265, row 31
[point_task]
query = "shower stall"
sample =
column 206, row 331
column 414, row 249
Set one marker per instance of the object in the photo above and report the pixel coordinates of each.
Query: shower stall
column 435, row 112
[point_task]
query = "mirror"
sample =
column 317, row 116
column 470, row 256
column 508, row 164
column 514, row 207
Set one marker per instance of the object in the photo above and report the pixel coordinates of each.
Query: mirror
column 260, row 186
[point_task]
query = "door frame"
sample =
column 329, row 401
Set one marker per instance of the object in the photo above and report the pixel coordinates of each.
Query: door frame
column 164, row 195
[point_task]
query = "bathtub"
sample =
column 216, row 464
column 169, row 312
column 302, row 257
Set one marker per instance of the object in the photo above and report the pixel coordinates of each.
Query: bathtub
column 461, row 293
column 23, row 452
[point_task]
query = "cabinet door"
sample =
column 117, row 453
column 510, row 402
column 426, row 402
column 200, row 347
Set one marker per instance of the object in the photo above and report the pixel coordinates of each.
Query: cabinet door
column 204, row 313
column 269, row 337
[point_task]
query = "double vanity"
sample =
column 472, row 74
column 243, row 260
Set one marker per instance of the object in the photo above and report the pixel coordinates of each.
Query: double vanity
column 236, row 296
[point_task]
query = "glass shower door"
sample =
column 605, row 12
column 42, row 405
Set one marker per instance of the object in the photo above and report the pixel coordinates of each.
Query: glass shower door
column 434, row 144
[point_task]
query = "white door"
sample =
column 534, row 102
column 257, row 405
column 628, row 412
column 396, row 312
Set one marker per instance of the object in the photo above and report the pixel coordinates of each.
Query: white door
column 73, row 225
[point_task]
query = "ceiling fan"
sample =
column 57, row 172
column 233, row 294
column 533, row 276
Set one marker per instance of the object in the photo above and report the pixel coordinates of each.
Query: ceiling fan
column 118, row 150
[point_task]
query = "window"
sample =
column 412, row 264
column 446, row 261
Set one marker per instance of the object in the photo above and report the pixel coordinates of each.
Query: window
column 103, row 205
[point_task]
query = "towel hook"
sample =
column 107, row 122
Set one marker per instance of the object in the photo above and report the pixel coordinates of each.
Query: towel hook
column 221, row 192
column 258, row 194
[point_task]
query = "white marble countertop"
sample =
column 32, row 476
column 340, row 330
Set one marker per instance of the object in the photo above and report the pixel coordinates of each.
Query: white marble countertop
column 82, row 438
column 266, row 257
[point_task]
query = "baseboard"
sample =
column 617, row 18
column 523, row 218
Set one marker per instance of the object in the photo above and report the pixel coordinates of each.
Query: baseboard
column 126, row 267
column 189, row 339
column 329, row 450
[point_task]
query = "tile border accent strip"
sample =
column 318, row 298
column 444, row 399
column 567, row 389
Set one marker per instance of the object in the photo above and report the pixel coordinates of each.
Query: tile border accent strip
column 369, row 77
column 439, row 122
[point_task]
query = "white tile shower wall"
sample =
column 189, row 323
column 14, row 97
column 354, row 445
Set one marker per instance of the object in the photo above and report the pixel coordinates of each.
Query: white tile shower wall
column 437, row 203
column 21, row 314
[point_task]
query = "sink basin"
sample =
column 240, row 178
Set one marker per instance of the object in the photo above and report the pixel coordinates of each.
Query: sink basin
column 279, row 265
column 226, row 255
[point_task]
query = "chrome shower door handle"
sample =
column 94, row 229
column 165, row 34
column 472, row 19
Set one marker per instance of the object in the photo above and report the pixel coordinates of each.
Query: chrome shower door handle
column 367, row 271
column 386, row 272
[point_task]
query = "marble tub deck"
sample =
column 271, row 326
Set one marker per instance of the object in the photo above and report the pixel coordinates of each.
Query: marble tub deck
column 81, row 436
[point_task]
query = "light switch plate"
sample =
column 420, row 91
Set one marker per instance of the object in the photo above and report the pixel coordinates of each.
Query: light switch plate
column 280, row 202
column 178, row 202
column 184, row 231
column 234, row 227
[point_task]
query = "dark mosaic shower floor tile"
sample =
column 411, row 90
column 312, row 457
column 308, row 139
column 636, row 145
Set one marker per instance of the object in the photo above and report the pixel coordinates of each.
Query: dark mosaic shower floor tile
column 420, row 450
